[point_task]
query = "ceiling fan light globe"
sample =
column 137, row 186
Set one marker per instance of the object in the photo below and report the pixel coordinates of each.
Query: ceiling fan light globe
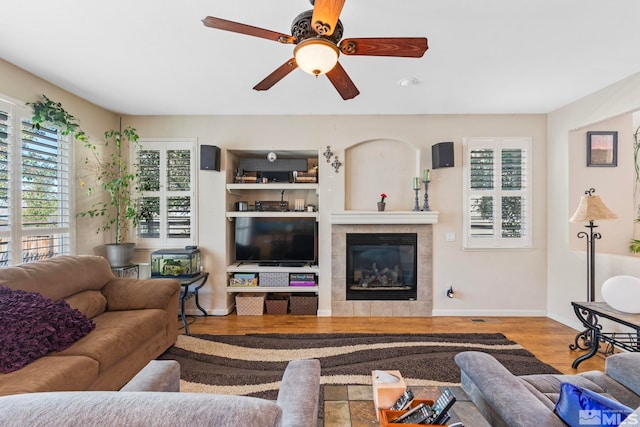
column 316, row 56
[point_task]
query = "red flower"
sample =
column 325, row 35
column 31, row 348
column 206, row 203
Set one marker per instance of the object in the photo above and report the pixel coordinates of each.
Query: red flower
column 382, row 197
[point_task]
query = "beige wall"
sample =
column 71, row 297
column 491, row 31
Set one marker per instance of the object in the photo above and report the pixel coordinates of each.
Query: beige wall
column 567, row 268
column 615, row 186
column 486, row 282
column 22, row 86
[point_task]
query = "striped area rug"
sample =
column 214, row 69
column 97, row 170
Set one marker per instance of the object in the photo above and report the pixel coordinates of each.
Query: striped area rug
column 253, row 364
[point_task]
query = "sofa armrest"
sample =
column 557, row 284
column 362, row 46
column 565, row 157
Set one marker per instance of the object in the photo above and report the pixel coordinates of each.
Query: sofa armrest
column 623, row 367
column 158, row 375
column 299, row 393
column 490, row 384
column 137, row 294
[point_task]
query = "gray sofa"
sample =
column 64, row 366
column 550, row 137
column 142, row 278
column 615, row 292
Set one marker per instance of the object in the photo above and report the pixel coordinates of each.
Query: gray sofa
column 139, row 404
column 529, row 400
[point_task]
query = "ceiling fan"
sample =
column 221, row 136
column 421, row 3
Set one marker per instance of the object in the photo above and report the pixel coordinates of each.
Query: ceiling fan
column 317, row 34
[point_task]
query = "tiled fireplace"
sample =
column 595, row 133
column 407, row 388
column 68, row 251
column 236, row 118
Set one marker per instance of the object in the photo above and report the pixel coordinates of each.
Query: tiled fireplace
column 393, row 223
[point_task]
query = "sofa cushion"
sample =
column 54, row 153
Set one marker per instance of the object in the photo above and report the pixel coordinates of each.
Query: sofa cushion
column 59, row 277
column 34, row 325
column 49, row 373
column 117, row 335
column 138, row 409
column 89, row 303
column 578, row 406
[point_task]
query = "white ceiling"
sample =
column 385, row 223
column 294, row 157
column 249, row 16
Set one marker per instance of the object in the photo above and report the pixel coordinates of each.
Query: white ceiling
column 155, row 57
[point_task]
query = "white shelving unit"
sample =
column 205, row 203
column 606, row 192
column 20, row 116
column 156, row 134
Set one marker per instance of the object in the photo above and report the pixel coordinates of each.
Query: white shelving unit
column 271, row 191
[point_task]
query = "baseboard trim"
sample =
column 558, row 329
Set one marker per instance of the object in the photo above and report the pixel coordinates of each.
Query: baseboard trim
column 493, row 313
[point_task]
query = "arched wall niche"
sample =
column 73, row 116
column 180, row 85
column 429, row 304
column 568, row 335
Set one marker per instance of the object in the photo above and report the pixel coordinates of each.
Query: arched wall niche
column 380, row 166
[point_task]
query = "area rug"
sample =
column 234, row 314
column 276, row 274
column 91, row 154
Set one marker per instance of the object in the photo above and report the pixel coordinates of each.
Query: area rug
column 253, row 364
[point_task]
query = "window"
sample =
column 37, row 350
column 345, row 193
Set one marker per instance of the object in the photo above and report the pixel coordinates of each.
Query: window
column 497, row 193
column 34, row 189
column 167, row 193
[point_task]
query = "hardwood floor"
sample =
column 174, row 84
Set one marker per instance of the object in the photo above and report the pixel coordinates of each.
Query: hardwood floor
column 547, row 339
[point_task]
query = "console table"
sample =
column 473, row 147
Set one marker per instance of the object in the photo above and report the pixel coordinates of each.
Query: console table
column 590, row 313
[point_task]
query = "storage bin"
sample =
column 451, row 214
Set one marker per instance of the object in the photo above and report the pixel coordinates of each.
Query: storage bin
column 304, row 304
column 250, row 304
column 274, row 279
column 277, row 306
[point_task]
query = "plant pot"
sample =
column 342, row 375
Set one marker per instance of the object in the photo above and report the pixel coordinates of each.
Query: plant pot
column 119, row 255
column 381, row 206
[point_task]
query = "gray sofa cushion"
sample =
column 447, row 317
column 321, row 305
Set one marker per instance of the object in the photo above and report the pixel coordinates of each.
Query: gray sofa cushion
column 131, row 409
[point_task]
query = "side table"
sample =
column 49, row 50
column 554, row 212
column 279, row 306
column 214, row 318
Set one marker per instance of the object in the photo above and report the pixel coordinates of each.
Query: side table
column 187, row 292
column 590, row 339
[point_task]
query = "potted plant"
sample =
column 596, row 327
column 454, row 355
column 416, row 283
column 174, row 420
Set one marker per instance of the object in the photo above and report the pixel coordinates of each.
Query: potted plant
column 110, row 173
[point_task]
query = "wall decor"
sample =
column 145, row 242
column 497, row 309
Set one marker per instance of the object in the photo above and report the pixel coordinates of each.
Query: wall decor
column 602, row 149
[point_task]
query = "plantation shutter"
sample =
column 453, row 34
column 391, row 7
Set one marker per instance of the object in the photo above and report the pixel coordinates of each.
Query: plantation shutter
column 34, row 189
column 5, row 182
column 497, row 195
column 167, row 170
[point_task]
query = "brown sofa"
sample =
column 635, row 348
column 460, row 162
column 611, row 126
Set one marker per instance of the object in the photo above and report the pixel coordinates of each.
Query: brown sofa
column 135, row 321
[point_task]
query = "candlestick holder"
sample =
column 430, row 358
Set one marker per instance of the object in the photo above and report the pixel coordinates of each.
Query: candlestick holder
column 425, row 205
column 416, row 205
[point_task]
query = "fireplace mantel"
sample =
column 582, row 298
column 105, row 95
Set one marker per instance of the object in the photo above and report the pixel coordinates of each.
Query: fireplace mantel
column 386, row 217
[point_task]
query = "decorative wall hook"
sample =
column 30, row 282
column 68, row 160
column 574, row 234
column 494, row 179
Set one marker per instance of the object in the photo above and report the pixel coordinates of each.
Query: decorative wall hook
column 327, row 153
column 336, row 164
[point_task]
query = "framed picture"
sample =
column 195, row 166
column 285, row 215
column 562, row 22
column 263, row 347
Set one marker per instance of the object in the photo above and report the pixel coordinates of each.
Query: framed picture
column 602, row 148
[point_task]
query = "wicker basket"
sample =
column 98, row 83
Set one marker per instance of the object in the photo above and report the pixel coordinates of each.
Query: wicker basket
column 304, row 304
column 250, row 304
column 277, row 306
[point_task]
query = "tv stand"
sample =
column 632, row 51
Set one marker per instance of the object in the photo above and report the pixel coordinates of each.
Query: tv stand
column 269, row 264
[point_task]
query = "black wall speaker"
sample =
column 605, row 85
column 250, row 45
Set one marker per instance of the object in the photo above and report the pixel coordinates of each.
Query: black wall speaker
column 442, row 155
column 209, row 158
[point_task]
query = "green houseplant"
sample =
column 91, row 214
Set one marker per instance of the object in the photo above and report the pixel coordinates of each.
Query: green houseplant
column 109, row 169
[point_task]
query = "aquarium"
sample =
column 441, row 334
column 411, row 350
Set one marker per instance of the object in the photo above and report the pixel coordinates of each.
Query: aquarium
column 175, row 263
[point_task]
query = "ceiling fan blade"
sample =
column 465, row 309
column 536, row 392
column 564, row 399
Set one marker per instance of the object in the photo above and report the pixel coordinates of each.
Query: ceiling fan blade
column 408, row 47
column 325, row 16
column 342, row 82
column 235, row 27
column 277, row 75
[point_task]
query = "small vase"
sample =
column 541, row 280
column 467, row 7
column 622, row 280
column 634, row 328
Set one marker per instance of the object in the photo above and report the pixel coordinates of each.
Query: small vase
column 381, row 206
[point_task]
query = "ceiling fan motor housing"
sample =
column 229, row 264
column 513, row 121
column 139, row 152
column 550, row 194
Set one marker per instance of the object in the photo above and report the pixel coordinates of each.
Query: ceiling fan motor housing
column 302, row 28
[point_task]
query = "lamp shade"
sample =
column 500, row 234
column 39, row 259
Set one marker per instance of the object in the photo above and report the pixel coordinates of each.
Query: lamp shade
column 592, row 208
column 316, row 56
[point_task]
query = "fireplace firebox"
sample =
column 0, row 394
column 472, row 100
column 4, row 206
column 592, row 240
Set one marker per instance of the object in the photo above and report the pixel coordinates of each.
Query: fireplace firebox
column 381, row 266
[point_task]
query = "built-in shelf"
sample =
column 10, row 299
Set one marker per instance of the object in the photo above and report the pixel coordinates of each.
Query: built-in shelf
column 273, row 186
column 249, row 214
column 255, row 268
column 272, row 289
column 385, row 217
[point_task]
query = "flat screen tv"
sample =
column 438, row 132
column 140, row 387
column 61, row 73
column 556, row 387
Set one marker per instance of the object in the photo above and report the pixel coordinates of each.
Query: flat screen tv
column 276, row 240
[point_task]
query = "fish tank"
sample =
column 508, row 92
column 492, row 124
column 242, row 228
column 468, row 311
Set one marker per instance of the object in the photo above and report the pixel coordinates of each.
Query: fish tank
column 175, row 263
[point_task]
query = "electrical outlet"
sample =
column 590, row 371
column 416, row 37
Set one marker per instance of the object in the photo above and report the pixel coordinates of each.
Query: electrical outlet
column 450, row 236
